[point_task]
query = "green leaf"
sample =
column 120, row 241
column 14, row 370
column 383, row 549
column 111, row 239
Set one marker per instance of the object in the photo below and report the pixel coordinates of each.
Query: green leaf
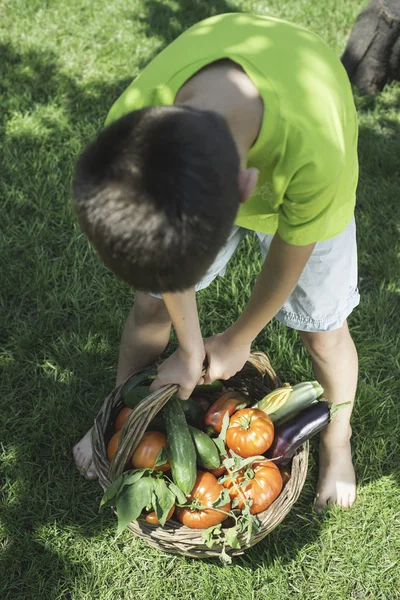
column 242, row 484
column 162, row 458
column 134, row 475
column 163, row 500
column 246, row 521
column 220, row 445
column 224, row 478
column 111, row 493
column 231, row 537
column 228, row 463
column 235, row 502
column 132, row 500
column 240, row 463
column 222, row 499
column 180, row 496
column 257, row 525
column 212, row 536
column 224, row 557
column 225, row 425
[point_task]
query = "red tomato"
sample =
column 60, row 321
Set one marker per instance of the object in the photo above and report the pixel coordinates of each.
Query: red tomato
column 152, row 517
column 264, row 484
column 148, row 450
column 113, row 445
column 286, row 474
column 228, row 402
column 206, row 491
column 250, row 432
column 218, row 472
column 122, row 417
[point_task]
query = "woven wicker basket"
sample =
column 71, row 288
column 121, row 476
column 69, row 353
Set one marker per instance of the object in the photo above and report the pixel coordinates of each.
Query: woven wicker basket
column 257, row 378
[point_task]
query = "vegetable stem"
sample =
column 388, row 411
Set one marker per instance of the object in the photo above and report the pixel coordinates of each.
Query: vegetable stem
column 334, row 408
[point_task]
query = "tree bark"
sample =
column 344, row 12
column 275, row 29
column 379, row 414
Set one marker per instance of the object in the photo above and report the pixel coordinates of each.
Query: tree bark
column 372, row 55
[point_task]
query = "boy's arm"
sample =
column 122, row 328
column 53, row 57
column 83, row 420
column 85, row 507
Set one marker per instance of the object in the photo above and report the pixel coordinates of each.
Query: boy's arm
column 228, row 351
column 184, row 367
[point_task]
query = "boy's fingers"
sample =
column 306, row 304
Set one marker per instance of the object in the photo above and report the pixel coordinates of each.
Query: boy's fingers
column 210, row 377
column 206, row 378
column 184, row 393
column 155, row 386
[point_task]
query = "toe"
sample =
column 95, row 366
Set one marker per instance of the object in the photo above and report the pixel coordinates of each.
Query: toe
column 81, row 461
column 352, row 499
column 91, row 472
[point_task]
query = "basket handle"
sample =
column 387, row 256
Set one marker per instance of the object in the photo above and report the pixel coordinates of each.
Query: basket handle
column 146, row 410
column 137, row 423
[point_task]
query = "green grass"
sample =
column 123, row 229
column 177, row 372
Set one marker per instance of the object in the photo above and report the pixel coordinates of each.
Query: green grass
column 62, row 64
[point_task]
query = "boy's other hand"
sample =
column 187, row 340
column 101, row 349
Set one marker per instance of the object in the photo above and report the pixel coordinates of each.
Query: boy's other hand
column 226, row 356
column 182, row 368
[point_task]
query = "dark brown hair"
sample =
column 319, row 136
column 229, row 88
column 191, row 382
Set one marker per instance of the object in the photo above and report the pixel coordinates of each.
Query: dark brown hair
column 157, row 193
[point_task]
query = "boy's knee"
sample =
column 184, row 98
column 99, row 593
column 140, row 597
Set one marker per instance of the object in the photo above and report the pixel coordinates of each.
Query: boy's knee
column 148, row 309
column 321, row 344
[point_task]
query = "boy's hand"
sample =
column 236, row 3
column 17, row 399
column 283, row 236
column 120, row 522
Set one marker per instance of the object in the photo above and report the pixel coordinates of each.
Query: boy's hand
column 183, row 369
column 226, row 356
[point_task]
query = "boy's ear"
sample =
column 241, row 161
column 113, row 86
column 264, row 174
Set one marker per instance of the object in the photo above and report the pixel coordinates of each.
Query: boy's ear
column 247, row 182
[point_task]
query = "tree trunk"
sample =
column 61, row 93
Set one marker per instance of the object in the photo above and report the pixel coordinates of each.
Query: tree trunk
column 372, row 55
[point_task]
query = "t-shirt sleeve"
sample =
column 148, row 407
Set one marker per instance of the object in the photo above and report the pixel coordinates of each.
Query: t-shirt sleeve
column 305, row 211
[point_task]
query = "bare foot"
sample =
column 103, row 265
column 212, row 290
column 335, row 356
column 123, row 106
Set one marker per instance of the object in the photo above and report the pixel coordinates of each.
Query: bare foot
column 82, row 452
column 337, row 480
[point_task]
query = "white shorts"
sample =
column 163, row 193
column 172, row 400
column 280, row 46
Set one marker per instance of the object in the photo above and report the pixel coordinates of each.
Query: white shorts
column 326, row 292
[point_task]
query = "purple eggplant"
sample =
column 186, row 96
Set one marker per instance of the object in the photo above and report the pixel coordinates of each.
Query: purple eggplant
column 292, row 431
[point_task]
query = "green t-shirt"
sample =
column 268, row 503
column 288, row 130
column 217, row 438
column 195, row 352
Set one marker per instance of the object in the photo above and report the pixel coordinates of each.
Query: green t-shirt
column 306, row 150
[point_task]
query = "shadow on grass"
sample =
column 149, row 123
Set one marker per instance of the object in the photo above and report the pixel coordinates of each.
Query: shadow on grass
column 167, row 20
column 44, row 417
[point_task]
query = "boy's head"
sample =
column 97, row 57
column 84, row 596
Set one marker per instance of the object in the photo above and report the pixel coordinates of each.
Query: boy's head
column 157, row 193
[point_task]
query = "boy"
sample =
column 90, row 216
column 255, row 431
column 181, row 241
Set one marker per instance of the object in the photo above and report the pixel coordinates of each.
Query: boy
column 243, row 122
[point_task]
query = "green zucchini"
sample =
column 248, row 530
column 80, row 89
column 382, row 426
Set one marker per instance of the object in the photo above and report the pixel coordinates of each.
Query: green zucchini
column 207, row 451
column 303, row 394
column 181, row 449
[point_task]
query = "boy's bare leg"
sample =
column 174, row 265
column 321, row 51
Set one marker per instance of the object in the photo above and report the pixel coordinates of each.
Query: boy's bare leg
column 145, row 336
column 335, row 364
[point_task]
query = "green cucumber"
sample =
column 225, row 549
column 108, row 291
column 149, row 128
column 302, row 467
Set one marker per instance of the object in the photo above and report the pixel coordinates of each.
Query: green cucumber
column 181, row 449
column 215, row 386
column 136, row 381
column 207, row 451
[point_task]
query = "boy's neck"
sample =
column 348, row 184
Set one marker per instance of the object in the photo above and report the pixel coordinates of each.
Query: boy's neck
column 225, row 88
